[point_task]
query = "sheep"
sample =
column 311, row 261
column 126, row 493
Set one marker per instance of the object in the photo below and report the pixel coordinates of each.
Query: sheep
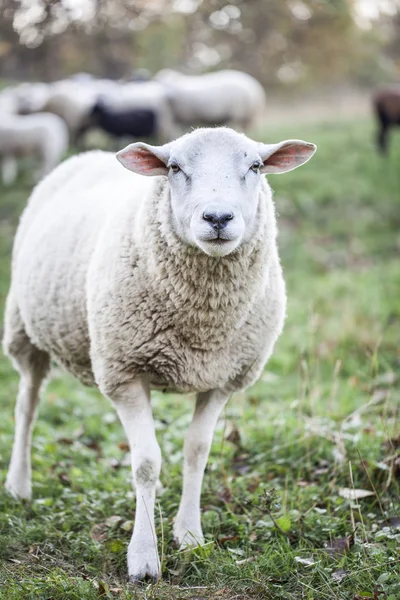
column 223, row 97
column 164, row 275
column 8, row 102
column 70, row 99
column 135, row 122
column 31, row 97
column 42, row 135
column 145, row 95
column 386, row 101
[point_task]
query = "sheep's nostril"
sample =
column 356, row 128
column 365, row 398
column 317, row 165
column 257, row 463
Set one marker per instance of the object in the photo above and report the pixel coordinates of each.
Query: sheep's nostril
column 218, row 220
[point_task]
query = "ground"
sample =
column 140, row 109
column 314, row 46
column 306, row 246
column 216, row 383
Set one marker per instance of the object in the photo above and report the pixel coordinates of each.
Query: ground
column 283, row 513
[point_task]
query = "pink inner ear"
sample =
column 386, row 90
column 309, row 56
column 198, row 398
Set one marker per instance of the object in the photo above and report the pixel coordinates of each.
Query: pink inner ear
column 288, row 156
column 142, row 161
column 147, row 161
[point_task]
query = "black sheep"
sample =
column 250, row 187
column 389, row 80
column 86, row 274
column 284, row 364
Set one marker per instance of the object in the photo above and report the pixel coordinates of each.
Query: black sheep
column 132, row 122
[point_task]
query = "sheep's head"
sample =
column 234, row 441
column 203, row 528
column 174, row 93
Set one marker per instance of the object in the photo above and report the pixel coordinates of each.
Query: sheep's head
column 215, row 182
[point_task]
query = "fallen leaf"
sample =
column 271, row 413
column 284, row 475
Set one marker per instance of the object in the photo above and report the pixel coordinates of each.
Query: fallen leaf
column 226, row 538
column 354, row 494
column 114, row 463
column 340, row 546
column 234, row 436
column 253, row 484
column 111, row 521
column 393, row 522
column 127, row 525
column 308, row 562
column 245, row 560
column 339, row 575
column 124, row 446
column 98, row 532
column 302, row 483
column 392, row 443
column 93, row 445
column 225, row 495
column 63, row 477
column 34, row 551
column 240, row 463
column 102, row 588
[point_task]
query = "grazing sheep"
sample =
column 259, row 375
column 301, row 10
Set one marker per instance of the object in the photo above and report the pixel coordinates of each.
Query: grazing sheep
column 134, row 122
column 220, row 98
column 167, row 281
column 386, row 102
column 41, row 135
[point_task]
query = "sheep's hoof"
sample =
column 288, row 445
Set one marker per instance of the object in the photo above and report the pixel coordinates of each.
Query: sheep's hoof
column 17, row 490
column 143, row 566
column 188, row 540
column 142, row 579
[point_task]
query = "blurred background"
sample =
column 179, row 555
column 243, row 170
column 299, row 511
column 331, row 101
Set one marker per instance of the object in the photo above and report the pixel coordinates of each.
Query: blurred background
column 83, row 60
column 288, row 45
column 292, row 47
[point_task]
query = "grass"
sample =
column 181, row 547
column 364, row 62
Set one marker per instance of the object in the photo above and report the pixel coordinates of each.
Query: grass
column 324, row 416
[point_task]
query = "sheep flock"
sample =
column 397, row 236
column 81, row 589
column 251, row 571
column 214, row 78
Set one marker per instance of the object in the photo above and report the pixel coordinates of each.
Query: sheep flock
column 43, row 119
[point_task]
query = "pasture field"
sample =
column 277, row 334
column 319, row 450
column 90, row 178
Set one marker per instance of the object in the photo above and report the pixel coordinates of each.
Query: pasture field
column 323, row 421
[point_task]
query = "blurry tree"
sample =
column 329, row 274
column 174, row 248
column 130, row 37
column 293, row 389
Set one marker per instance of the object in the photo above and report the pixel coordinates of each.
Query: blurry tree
column 288, row 43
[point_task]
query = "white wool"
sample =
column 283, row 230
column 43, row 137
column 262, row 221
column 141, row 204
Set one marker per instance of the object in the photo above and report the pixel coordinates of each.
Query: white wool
column 226, row 96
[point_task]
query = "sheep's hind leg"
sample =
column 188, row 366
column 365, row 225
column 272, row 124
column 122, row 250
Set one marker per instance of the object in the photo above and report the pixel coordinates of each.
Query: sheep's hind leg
column 209, row 405
column 132, row 402
column 33, row 366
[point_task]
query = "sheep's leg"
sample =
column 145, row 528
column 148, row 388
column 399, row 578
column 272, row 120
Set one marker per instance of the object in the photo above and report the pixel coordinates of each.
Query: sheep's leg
column 187, row 529
column 9, row 169
column 383, row 138
column 132, row 402
column 33, row 365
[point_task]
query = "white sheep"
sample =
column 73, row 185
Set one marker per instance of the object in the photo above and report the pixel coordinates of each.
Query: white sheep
column 224, row 97
column 70, row 99
column 43, row 135
column 168, row 281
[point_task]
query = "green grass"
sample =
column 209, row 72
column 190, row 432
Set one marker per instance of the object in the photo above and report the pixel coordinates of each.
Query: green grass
column 322, row 417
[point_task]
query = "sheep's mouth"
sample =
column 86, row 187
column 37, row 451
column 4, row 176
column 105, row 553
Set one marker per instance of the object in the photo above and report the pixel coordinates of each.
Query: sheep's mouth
column 219, row 240
column 217, row 246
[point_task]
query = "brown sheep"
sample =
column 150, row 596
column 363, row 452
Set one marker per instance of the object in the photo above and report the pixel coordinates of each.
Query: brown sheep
column 386, row 101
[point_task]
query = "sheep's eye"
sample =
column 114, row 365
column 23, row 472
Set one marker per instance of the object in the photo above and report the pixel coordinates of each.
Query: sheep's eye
column 256, row 166
column 175, row 168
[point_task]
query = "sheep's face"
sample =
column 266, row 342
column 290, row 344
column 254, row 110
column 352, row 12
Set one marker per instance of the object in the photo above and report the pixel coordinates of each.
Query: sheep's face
column 215, row 182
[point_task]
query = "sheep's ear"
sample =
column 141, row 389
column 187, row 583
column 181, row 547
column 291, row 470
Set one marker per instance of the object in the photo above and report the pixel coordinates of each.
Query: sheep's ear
column 285, row 156
column 145, row 159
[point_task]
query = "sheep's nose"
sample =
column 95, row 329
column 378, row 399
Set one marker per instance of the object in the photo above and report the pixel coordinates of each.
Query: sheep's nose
column 218, row 220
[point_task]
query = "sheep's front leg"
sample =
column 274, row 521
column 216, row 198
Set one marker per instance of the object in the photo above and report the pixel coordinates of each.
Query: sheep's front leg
column 132, row 402
column 187, row 529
